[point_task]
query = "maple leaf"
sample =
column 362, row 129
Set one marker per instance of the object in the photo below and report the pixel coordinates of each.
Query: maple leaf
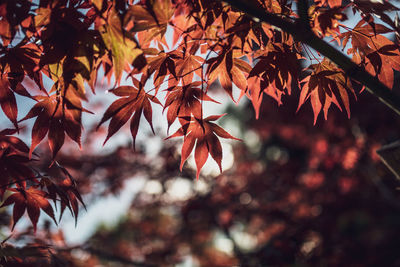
column 70, row 47
column 383, row 62
column 377, row 8
column 161, row 65
column 249, row 33
column 272, row 74
column 19, row 60
column 32, row 200
column 14, row 64
column 134, row 101
column 326, row 84
column 220, row 67
column 11, row 142
column 278, row 65
column 63, row 188
column 14, row 170
column 187, row 64
column 122, row 46
column 183, row 101
column 55, row 117
column 8, row 102
column 68, row 82
column 151, row 19
column 13, row 161
column 326, row 20
column 16, row 16
column 256, row 87
column 380, row 54
column 64, row 29
column 202, row 134
column 364, row 38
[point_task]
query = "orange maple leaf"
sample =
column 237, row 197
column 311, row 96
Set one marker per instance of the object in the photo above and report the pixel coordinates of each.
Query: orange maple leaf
column 380, row 55
column 326, row 84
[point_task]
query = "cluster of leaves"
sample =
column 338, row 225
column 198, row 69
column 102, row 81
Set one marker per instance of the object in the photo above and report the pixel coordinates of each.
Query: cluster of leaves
column 300, row 196
column 32, row 190
column 186, row 45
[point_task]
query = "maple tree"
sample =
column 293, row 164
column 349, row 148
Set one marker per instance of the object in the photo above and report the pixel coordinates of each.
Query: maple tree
column 173, row 53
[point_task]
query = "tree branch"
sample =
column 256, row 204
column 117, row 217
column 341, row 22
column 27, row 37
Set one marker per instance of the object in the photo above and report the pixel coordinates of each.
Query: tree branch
column 297, row 29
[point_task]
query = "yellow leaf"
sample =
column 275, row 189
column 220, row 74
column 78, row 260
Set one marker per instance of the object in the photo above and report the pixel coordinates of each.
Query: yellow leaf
column 123, row 48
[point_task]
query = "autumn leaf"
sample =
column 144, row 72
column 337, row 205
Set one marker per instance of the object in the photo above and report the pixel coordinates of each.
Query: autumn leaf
column 55, row 117
column 364, row 38
column 187, row 64
column 256, row 87
column 7, row 141
column 377, row 8
column 151, row 19
column 14, row 170
column 134, row 101
column 14, row 160
column 9, row 24
column 32, row 200
column 220, row 67
column 380, row 55
column 202, row 135
column 326, row 21
column 15, row 63
column 63, row 188
column 331, row 3
column 161, row 65
column 184, row 101
column 122, row 47
column 228, row 70
column 8, row 102
column 250, row 33
column 279, row 66
column 18, row 61
column 273, row 74
column 326, row 85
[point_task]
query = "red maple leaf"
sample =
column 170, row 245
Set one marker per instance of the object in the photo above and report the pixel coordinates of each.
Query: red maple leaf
column 183, row 101
column 228, row 70
column 63, row 188
column 134, row 101
column 8, row 102
column 30, row 199
column 161, row 65
column 13, row 162
column 55, row 117
column 204, row 135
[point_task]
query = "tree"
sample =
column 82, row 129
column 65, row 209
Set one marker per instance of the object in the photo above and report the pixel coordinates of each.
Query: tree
column 178, row 50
